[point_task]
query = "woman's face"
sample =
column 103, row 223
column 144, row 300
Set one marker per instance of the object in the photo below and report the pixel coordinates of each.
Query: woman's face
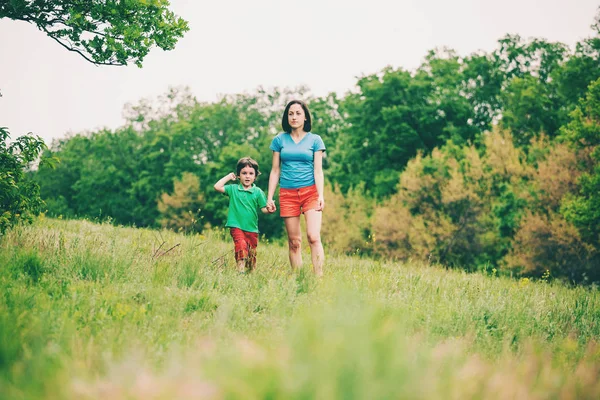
column 296, row 116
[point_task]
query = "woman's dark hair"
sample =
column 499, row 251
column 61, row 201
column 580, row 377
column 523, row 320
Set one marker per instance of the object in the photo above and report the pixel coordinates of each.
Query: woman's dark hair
column 285, row 124
column 246, row 162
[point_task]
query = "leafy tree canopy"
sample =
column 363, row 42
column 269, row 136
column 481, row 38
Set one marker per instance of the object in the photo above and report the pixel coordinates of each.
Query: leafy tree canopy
column 583, row 208
column 104, row 32
column 19, row 196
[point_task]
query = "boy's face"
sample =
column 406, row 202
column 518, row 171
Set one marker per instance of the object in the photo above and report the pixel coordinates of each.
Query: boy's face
column 247, row 176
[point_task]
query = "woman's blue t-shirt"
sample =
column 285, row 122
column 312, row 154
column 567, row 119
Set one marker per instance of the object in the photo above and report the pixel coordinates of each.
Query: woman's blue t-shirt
column 297, row 159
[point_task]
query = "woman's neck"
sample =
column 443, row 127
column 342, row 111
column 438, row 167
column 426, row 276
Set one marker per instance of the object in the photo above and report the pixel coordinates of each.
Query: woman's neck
column 298, row 133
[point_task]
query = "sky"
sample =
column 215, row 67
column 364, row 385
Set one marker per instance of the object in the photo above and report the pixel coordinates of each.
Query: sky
column 235, row 46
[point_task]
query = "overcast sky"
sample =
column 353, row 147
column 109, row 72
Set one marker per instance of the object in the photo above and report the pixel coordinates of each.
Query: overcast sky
column 234, row 46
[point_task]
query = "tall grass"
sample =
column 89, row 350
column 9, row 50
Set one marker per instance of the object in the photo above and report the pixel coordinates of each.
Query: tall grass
column 92, row 311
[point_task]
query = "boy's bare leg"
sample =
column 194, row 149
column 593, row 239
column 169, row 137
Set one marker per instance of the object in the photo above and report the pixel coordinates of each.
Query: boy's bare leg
column 313, row 232
column 251, row 260
column 292, row 227
column 241, row 265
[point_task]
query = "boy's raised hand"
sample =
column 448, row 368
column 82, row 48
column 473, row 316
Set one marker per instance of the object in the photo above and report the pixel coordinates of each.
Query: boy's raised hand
column 220, row 185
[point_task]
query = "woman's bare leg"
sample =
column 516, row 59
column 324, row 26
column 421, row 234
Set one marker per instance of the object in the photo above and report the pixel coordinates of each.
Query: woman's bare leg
column 313, row 232
column 292, row 226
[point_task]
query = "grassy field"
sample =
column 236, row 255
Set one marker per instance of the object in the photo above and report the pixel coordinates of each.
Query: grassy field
column 92, row 311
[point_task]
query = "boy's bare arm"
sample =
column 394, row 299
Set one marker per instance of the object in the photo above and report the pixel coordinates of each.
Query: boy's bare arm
column 220, row 185
column 265, row 210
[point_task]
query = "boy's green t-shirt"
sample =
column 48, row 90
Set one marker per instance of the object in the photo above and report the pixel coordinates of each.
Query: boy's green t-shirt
column 243, row 207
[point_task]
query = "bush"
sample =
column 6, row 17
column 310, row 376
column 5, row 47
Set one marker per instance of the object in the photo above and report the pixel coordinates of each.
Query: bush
column 19, row 196
column 550, row 244
column 181, row 210
column 346, row 221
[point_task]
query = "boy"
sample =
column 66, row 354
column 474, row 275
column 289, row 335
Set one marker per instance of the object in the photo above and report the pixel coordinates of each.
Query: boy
column 244, row 201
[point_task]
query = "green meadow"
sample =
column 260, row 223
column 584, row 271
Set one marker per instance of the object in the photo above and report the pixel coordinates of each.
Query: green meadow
column 94, row 311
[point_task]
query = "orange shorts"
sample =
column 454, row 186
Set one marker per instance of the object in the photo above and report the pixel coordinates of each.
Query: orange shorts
column 293, row 202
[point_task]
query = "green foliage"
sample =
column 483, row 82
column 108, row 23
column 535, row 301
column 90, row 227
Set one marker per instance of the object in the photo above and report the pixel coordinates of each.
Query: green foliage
column 546, row 83
column 396, row 114
column 528, row 109
column 102, row 32
column 19, row 196
column 199, row 304
column 582, row 208
column 94, row 176
column 508, row 211
column 31, row 265
column 25, row 264
column 581, row 69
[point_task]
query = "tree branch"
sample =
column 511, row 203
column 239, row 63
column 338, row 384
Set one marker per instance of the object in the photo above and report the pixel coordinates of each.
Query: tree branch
column 82, row 54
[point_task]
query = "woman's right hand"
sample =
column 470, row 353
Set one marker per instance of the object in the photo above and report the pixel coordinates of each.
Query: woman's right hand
column 271, row 207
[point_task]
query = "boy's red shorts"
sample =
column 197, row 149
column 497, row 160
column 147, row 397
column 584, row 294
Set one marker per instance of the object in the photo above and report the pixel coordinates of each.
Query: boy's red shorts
column 293, row 202
column 245, row 243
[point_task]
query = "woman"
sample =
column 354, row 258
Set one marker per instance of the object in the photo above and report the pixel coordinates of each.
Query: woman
column 298, row 168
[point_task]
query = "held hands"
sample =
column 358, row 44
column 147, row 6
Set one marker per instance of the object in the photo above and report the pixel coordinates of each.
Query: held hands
column 271, row 208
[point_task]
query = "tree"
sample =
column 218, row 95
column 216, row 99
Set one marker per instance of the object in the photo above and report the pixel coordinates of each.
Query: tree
column 19, row 196
column 583, row 208
column 104, row 32
column 529, row 110
column 396, row 115
column 530, row 98
column 581, row 68
column 181, row 210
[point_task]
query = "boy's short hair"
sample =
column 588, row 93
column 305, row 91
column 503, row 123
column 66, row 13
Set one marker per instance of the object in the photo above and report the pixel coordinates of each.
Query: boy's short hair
column 246, row 162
